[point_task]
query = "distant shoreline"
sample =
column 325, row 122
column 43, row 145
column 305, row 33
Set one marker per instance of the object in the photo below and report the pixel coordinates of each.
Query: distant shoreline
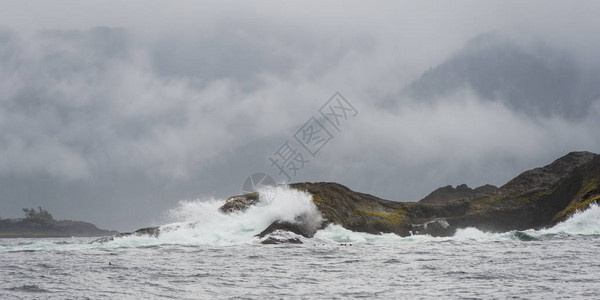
column 49, row 228
column 33, row 235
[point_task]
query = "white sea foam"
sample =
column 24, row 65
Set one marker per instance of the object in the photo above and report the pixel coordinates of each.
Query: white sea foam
column 582, row 223
column 201, row 222
column 586, row 222
column 334, row 233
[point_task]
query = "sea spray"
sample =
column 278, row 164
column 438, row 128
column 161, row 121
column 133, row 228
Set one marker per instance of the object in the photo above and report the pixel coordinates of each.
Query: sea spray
column 585, row 222
column 582, row 223
column 201, row 222
column 335, row 233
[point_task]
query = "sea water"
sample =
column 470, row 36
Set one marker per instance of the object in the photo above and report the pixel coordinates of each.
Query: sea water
column 207, row 254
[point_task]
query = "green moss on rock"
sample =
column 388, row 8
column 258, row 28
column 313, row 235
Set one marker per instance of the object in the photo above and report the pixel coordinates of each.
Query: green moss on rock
column 319, row 200
column 581, row 205
column 395, row 217
column 587, row 186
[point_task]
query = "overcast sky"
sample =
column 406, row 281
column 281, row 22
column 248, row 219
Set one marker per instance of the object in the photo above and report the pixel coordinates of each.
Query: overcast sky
column 113, row 112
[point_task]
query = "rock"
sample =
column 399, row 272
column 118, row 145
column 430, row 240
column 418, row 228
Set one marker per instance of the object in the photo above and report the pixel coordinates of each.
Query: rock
column 239, row 203
column 547, row 176
column 536, row 198
column 437, row 227
column 274, row 240
column 148, row 231
column 357, row 211
column 448, row 193
column 587, row 180
column 295, row 227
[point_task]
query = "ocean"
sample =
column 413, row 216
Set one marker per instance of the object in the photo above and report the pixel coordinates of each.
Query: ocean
column 204, row 254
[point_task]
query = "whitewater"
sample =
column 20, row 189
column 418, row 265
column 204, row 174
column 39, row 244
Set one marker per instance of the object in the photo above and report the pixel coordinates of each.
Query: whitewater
column 202, row 253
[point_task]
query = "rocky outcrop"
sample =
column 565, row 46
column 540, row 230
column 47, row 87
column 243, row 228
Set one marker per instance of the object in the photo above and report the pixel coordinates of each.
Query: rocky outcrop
column 273, row 240
column 586, row 180
column 239, row 203
column 548, row 176
column 148, row 231
column 448, row 193
column 536, row 198
column 543, row 196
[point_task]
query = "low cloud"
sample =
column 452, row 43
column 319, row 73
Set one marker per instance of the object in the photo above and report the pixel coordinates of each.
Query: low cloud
column 114, row 120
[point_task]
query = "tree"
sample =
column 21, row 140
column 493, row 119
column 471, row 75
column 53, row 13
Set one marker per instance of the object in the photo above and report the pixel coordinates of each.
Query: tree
column 39, row 214
column 29, row 212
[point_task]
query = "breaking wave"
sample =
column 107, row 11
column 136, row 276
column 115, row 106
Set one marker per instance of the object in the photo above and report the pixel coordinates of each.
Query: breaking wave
column 581, row 223
column 201, row 222
column 584, row 223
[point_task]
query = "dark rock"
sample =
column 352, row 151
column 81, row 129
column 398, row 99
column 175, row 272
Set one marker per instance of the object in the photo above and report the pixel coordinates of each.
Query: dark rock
column 587, row 183
column 298, row 228
column 436, row 227
column 239, row 203
column 534, row 199
column 103, row 240
column 547, row 176
column 357, row 211
column 448, row 193
column 273, row 240
column 148, row 231
column 486, row 189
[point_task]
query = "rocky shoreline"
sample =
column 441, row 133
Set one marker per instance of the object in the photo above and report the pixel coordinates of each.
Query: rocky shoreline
column 536, row 198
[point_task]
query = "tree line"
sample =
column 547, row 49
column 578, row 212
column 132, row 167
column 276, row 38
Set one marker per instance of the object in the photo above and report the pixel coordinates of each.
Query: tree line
column 40, row 213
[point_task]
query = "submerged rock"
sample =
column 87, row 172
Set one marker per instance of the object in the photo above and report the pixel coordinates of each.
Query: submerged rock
column 273, row 240
column 298, row 228
column 148, row 231
column 282, row 235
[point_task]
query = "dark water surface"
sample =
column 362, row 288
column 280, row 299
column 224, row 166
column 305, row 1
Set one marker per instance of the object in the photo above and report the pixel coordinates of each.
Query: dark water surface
column 557, row 266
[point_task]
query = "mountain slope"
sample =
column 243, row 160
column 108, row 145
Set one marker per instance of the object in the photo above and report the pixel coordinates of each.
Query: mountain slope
column 534, row 81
